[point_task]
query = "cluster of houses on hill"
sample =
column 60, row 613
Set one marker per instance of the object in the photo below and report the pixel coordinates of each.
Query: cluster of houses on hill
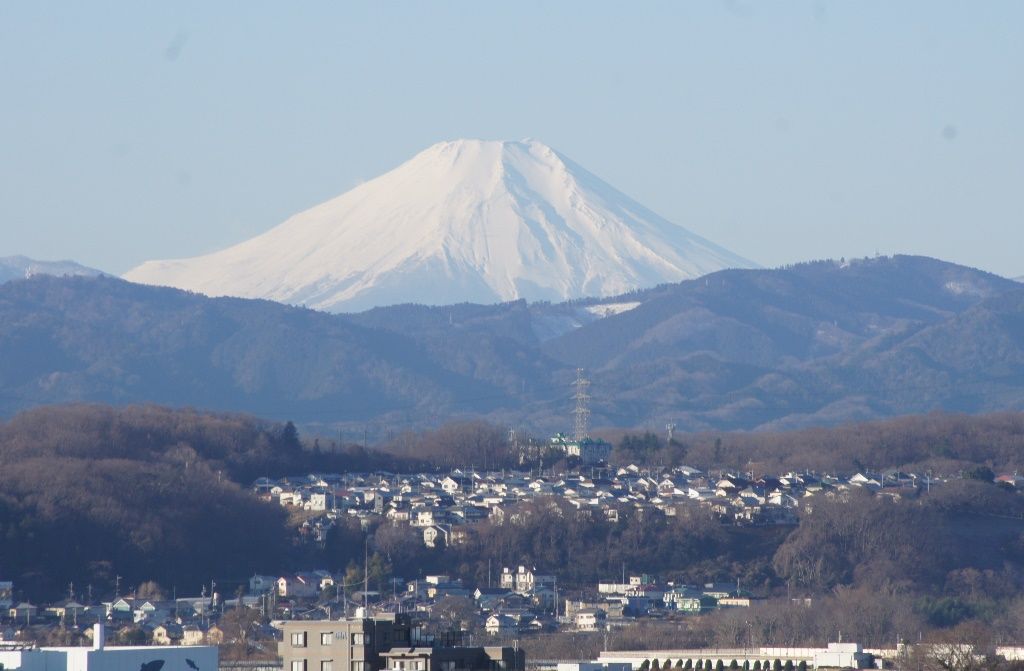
column 445, row 506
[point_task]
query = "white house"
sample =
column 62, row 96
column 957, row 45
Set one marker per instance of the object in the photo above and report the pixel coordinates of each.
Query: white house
column 317, row 501
column 525, row 581
column 500, row 624
column 436, row 536
column 296, row 586
column 590, row 619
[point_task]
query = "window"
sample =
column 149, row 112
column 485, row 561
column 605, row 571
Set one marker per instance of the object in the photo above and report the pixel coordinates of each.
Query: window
column 419, row 665
column 299, row 641
column 326, row 638
column 298, row 665
column 360, row 638
column 327, row 665
column 358, row 666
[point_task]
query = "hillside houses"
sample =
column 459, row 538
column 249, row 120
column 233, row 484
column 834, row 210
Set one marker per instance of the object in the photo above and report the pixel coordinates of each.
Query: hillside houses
column 446, row 506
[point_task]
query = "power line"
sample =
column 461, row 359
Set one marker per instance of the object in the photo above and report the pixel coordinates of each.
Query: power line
column 581, row 414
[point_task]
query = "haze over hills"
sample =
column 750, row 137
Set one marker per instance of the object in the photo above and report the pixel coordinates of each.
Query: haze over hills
column 812, row 344
column 20, row 267
column 463, row 221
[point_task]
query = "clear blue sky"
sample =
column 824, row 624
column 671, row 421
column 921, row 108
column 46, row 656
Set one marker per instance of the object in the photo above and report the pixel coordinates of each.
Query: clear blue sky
column 785, row 131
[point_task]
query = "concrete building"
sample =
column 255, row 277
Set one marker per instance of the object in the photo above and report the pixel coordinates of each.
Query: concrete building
column 1011, row 653
column 836, row 655
column 594, row 666
column 454, row 659
column 588, row 451
column 385, row 641
column 350, row 644
column 113, row 658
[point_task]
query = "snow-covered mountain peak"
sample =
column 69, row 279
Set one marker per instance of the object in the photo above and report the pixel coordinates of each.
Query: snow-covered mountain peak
column 464, row 220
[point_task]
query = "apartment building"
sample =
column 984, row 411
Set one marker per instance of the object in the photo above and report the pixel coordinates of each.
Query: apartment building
column 384, row 641
column 349, row 644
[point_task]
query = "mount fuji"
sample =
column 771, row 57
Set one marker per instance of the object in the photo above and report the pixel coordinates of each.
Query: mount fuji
column 462, row 221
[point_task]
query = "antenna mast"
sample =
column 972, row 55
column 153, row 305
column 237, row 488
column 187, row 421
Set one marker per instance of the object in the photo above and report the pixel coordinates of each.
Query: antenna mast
column 582, row 411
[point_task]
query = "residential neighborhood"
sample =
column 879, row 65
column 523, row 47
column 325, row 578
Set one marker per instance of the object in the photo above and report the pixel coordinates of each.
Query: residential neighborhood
column 517, row 600
column 444, row 507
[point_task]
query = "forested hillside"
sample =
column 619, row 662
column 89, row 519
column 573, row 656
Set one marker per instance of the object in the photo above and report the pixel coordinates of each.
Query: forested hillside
column 809, row 345
column 91, row 492
column 943, row 443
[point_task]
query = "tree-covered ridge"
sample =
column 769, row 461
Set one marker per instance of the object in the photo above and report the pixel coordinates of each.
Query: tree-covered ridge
column 88, row 493
column 940, row 443
column 815, row 344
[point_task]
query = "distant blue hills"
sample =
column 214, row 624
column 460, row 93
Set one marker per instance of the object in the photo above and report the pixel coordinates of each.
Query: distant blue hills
column 812, row 344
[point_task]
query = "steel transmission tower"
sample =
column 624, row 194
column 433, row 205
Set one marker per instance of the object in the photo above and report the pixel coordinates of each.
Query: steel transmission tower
column 582, row 411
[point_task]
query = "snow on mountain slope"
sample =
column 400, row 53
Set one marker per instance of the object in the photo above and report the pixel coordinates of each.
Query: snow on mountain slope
column 21, row 267
column 467, row 220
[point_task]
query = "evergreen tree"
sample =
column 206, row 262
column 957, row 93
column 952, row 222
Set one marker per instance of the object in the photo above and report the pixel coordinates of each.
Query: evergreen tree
column 290, row 438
